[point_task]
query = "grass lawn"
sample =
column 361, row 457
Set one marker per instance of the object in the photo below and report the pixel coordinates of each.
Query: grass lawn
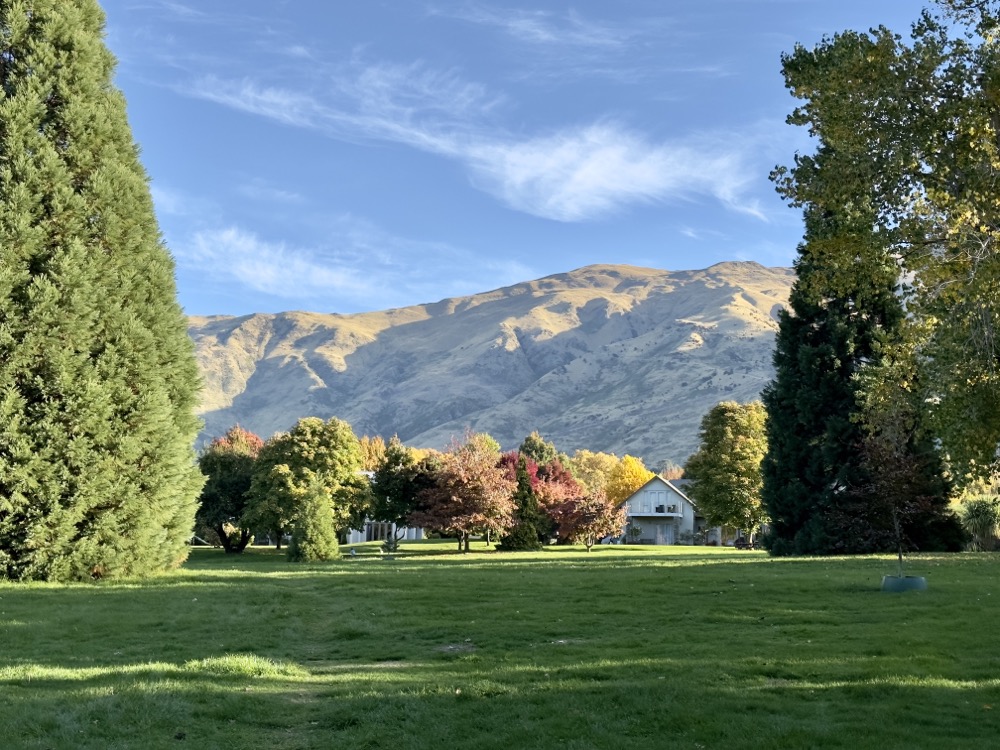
column 625, row 647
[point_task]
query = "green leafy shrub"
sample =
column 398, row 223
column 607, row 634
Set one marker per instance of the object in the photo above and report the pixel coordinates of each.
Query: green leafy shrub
column 980, row 515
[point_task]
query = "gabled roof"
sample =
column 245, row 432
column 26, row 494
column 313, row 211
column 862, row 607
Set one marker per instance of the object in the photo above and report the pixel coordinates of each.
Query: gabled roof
column 667, row 482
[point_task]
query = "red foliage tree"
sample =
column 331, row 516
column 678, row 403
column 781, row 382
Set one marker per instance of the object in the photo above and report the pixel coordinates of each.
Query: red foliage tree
column 471, row 493
column 586, row 519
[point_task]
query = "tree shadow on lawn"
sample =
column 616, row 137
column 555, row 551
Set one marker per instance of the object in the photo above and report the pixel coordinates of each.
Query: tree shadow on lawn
column 536, row 702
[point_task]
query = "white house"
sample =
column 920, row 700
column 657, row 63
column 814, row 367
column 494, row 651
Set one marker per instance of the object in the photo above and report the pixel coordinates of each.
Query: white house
column 375, row 531
column 378, row 531
column 660, row 513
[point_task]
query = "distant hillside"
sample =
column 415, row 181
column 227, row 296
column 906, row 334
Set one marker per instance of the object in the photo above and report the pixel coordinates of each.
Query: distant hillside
column 611, row 358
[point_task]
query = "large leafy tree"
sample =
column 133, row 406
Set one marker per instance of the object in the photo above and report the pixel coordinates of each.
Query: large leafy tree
column 900, row 207
column 291, row 463
column 625, row 478
column 397, row 483
column 587, row 519
column 228, row 464
column 591, row 469
column 909, row 135
column 98, row 381
column 471, row 494
column 724, row 473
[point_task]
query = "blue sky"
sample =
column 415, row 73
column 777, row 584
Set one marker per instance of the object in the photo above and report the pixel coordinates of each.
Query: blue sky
column 352, row 155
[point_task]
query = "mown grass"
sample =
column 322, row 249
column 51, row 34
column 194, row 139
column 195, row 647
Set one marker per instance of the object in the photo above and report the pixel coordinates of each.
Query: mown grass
column 624, row 647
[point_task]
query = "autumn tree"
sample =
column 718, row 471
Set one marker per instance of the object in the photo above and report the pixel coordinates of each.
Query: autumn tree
column 591, row 469
column 625, row 478
column 471, row 492
column 98, row 380
column 724, row 474
column 228, row 464
column 556, row 485
column 372, row 452
column 291, row 462
column 587, row 519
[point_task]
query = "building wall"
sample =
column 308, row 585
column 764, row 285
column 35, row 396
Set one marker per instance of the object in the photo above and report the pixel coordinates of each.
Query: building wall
column 659, row 528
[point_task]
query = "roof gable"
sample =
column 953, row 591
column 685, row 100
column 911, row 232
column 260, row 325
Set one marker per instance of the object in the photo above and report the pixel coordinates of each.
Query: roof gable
column 659, row 480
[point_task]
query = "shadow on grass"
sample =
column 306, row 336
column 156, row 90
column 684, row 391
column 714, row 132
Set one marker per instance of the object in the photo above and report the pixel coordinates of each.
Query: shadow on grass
column 522, row 703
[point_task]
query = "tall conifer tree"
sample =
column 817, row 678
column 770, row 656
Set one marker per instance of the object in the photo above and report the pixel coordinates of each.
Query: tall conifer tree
column 97, row 376
column 842, row 305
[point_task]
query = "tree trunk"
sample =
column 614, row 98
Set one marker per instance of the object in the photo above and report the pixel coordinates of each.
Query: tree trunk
column 223, row 537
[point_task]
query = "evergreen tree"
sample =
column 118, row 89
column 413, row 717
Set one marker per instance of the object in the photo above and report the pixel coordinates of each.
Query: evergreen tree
column 314, row 538
column 98, row 381
column 843, row 305
column 524, row 534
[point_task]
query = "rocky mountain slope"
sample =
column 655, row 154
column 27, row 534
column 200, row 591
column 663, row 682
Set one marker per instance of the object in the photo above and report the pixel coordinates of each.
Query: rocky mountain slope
column 611, row 358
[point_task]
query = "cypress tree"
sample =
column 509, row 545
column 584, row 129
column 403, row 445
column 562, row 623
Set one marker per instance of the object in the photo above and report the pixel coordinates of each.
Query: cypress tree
column 528, row 517
column 314, row 539
column 98, row 380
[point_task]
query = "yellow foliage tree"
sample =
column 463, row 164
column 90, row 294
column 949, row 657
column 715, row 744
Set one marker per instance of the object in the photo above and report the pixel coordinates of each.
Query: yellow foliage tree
column 626, row 477
column 592, row 470
column 372, row 452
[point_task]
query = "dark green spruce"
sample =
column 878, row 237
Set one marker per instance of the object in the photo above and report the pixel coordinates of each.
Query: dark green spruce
column 839, row 475
column 98, row 381
column 840, row 311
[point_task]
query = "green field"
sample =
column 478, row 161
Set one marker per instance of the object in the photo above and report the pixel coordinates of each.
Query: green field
column 625, row 647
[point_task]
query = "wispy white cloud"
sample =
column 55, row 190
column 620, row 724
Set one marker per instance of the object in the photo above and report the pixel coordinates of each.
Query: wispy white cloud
column 269, row 267
column 543, row 27
column 582, row 173
column 288, row 107
column 579, row 173
column 360, row 266
column 181, row 10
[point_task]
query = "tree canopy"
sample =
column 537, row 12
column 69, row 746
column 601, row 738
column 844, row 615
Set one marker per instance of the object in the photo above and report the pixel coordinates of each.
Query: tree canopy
column 228, row 465
column 592, row 469
column 538, row 449
column 625, row 478
column 725, row 472
column 908, row 153
column 471, row 492
column 290, row 464
column 98, row 381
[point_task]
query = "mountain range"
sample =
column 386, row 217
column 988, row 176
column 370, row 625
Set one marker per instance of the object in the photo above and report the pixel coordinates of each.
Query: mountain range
column 607, row 357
